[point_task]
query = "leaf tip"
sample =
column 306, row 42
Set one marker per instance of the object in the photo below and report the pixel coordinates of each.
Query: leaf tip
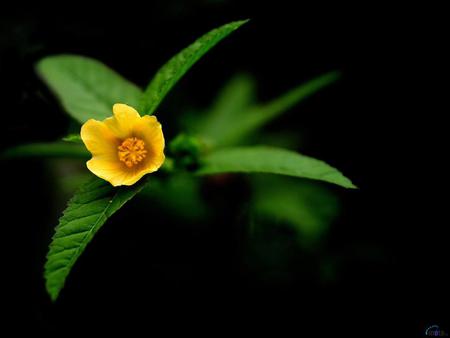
column 349, row 184
column 53, row 292
column 239, row 23
column 54, row 296
column 333, row 75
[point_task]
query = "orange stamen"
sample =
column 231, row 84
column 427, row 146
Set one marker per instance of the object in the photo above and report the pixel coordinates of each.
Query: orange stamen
column 132, row 151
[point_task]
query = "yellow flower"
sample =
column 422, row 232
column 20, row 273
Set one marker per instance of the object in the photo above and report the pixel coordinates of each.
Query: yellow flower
column 124, row 147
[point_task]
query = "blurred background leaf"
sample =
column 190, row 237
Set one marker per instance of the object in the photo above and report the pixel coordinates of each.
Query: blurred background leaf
column 307, row 207
column 57, row 149
column 230, row 105
column 179, row 195
column 234, row 115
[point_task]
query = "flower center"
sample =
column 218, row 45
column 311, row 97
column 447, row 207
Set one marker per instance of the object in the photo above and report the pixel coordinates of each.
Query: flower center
column 132, row 151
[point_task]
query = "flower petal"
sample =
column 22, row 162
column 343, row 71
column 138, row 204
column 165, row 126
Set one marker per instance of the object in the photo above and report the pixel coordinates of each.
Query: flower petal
column 98, row 139
column 113, row 171
column 123, row 121
column 150, row 131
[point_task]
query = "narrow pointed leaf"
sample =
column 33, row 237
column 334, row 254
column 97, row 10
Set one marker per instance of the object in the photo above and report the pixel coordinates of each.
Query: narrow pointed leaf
column 229, row 106
column 252, row 118
column 85, row 214
column 86, row 87
column 269, row 160
column 50, row 149
column 169, row 74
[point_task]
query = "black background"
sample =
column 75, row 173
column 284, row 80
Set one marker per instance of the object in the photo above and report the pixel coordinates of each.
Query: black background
column 382, row 125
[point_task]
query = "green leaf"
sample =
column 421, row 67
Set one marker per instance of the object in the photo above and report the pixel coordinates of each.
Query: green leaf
column 86, row 212
column 231, row 103
column 262, row 159
column 74, row 138
column 250, row 119
column 305, row 206
column 51, row 149
column 288, row 139
column 86, row 87
column 165, row 194
column 169, row 74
